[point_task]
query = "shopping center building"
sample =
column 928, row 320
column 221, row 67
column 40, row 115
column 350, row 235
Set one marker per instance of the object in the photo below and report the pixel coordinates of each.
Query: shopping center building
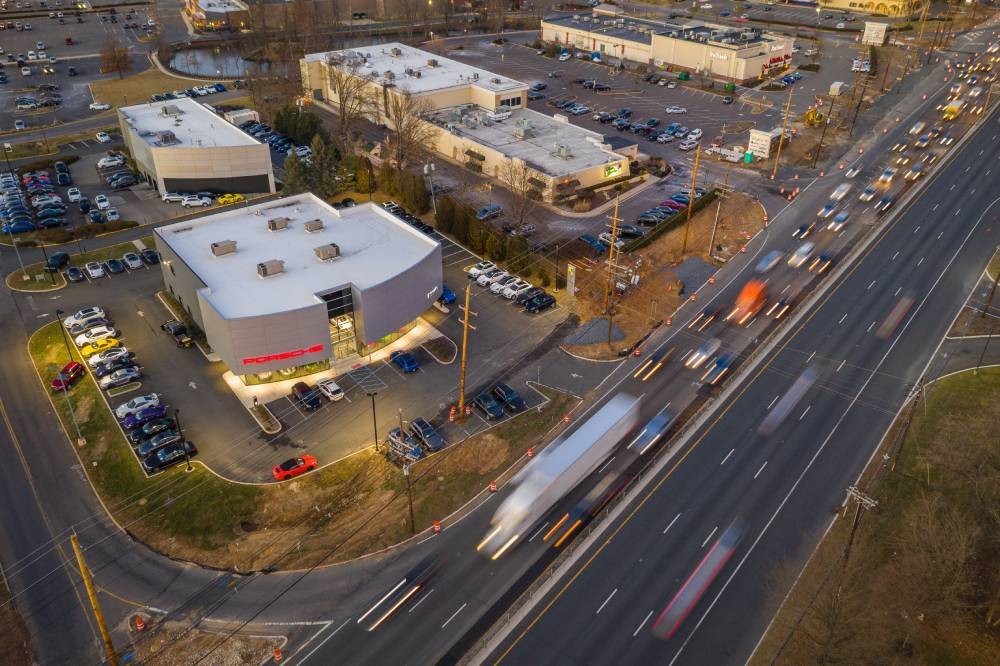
column 288, row 285
column 180, row 145
column 739, row 54
column 481, row 118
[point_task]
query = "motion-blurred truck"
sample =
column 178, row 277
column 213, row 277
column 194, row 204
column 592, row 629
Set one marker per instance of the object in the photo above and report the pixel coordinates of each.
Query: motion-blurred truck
column 749, row 302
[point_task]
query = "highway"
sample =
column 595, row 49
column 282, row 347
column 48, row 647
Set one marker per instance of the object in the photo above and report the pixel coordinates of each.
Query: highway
column 786, row 486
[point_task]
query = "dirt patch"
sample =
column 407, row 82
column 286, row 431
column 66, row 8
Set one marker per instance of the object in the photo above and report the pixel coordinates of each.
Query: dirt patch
column 174, row 644
column 971, row 322
column 659, row 291
column 15, row 647
column 442, row 349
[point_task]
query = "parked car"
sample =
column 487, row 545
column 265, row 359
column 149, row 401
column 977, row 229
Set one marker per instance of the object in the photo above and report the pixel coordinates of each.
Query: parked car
column 169, row 455
column 132, row 261
column 106, row 369
column 150, row 256
column 108, row 356
column 480, row 268
column 102, row 202
column 136, row 404
column 94, row 270
column 74, row 274
column 447, row 296
column 426, row 434
column 540, row 303
column 306, row 396
column 151, row 428
column 294, row 467
column 121, row 377
column 144, row 415
column 81, row 315
column 405, row 360
column 56, row 261
column 178, row 331
column 103, row 137
column 195, row 202
column 509, row 398
column 490, row 408
column 65, row 378
column 98, row 346
column 489, row 212
column 94, row 334
column 115, row 266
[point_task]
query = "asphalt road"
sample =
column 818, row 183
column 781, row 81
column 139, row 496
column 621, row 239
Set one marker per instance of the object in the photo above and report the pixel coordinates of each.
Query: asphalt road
column 788, row 485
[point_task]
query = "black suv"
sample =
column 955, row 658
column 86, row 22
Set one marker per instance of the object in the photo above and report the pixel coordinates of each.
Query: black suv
column 178, row 331
column 306, row 396
column 490, row 408
column 425, row 433
column 510, row 398
column 56, row 261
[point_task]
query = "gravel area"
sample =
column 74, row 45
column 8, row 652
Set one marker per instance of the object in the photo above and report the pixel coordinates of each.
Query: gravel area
column 595, row 330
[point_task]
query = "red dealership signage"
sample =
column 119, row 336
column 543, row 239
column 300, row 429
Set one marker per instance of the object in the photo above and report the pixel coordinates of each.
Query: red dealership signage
column 282, row 356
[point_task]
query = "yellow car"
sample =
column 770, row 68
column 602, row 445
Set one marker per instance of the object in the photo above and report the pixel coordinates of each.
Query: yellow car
column 98, row 346
column 225, row 199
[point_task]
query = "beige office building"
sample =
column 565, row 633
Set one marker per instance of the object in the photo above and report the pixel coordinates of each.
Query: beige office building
column 481, row 118
column 879, row 7
column 180, row 145
column 727, row 53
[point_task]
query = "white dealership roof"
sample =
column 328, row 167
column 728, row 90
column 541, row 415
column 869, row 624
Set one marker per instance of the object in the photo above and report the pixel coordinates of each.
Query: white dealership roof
column 416, row 70
column 183, row 123
column 375, row 246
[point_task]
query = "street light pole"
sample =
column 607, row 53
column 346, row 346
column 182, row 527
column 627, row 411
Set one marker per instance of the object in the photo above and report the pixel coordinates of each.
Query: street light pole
column 429, row 173
column 372, row 395
column 80, row 441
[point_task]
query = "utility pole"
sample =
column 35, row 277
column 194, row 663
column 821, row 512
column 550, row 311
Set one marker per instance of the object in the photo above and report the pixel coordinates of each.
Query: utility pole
column 691, row 197
column 466, row 327
column 857, row 107
column 715, row 226
column 863, row 502
column 88, row 583
column 409, row 494
column 888, row 67
column 822, row 135
column 781, row 138
column 923, row 20
column 609, row 309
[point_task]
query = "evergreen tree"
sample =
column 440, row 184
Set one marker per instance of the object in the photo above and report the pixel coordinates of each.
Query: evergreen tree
column 365, row 177
column 460, row 230
column 494, row 247
column 296, row 176
column 445, row 218
column 477, row 236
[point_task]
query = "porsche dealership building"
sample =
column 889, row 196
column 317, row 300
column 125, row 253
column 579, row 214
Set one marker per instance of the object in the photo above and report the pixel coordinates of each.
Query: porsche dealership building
column 294, row 282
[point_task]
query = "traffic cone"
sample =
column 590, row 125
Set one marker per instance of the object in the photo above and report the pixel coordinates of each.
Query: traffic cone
column 437, row 527
column 451, row 414
column 711, row 279
column 567, row 418
column 743, row 249
column 670, row 321
column 694, row 296
column 493, row 486
column 637, row 353
column 468, row 410
column 277, row 654
column 531, row 452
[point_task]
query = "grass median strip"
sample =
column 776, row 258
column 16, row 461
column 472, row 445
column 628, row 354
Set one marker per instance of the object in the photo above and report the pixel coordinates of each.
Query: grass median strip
column 355, row 506
column 38, row 279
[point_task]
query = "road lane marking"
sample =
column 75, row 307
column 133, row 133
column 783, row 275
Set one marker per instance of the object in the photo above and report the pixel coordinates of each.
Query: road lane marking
column 613, row 592
column 939, row 235
column 810, row 357
column 760, row 470
column 808, row 407
column 610, row 460
column 642, row 624
column 671, row 524
column 727, row 457
column 778, row 396
column 453, row 615
column 870, row 327
column 921, row 261
column 324, row 641
column 710, row 534
column 894, row 256
column 841, row 365
column 917, row 229
column 871, row 285
column 896, row 293
column 957, row 211
column 935, row 207
column 842, row 319
column 538, row 530
column 421, row 600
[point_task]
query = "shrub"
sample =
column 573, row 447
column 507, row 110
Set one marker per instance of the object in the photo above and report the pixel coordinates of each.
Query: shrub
column 543, row 277
column 460, row 230
column 444, row 220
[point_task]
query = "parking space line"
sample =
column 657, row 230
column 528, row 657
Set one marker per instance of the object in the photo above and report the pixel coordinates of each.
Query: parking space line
column 296, row 407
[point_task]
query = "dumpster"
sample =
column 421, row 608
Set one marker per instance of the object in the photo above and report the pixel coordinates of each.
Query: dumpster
column 684, row 76
column 729, row 87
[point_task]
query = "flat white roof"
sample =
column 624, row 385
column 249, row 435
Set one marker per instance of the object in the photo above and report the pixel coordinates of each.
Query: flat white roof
column 375, row 246
column 183, row 123
column 549, row 144
column 423, row 77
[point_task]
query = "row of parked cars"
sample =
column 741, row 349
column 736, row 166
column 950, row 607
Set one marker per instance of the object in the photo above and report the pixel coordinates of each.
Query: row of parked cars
column 194, row 91
column 278, row 141
column 506, row 284
column 30, row 202
column 202, row 199
column 94, row 270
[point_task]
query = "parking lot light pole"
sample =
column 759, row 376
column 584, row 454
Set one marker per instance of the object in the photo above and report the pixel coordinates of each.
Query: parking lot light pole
column 80, row 441
column 372, row 394
column 429, row 173
column 45, row 258
column 69, row 350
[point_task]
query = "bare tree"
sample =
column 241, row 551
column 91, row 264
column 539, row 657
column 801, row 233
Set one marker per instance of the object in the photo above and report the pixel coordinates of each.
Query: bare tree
column 524, row 185
column 351, row 94
column 115, row 58
column 496, row 14
column 408, row 10
column 410, row 136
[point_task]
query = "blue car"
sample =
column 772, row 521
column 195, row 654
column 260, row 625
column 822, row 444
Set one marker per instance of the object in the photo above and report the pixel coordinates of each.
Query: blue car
column 19, row 227
column 96, row 217
column 447, row 296
column 219, row 87
column 405, row 360
column 144, row 416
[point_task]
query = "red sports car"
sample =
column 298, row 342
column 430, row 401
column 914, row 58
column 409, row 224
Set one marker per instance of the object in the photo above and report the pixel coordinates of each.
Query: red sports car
column 294, row 467
column 71, row 372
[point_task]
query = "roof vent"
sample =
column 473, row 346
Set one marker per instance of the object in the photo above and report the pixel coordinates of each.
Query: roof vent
column 432, row 62
column 313, row 225
column 170, row 110
column 327, row 252
column 278, row 223
column 221, row 248
column 271, row 267
column 397, row 52
column 495, row 80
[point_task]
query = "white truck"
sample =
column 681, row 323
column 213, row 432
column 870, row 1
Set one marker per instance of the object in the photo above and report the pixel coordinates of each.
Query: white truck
column 557, row 470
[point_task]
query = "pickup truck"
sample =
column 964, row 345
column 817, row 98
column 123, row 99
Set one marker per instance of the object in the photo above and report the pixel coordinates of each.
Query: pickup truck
column 178, row 331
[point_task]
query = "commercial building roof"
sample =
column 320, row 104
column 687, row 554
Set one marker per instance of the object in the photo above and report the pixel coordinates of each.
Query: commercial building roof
column 549, row 144
column 641, row 31
column 374, row 246
column 183, row 123
column 221, row 6
column 416, row 70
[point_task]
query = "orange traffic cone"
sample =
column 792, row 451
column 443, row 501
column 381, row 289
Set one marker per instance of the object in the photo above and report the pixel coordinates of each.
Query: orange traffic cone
column 437, row 527
column 493, row 486
column 277, row 654
column 140, row 624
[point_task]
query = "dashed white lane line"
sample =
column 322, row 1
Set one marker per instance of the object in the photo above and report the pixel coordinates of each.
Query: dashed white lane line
column 932, row 210
column 871, row 285
column 421, row 600
column 726, row 458
column 842, row 319
column 773, row 401
column 538, row 530
column 810, row 357
column 760, row 470
column 610, row 460
column 671, row 523
column 957, row 211
column 841, row 365
column 642, row 624
column 334, row 633
column 455, row 614
column 808, row 407
column 939, row 235
column 870, row 327
column 921, row 261
column 894, row 256
column 917, row 229
column 613, row 593
column 896, row 293
column 710, row 535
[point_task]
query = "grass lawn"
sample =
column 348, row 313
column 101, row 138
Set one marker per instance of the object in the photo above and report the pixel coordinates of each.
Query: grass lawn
column 138, row 88
column 103, row 253
column 38, row 280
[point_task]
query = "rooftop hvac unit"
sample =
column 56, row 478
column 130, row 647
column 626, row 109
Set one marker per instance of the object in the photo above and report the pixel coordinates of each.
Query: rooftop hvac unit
column 475, row 76
column 170, row 110
column 221, row 248
column 432, row 62
column 313, row 225
column 272, row 267
column 327, row 252
column 397, row 52
column 495, row 80
column 564, row 152
column 389, row 74
column 409, row 71
column 277, row 223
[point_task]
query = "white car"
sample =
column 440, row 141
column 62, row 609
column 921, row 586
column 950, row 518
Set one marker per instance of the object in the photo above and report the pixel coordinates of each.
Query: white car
column 703, row 353
column 664, row 138
column 102, row 202
column 516, row 288
column 694, row 135
column 490, row 278
column 801, row 255
column 113, row 215
column 107, row 356
column 498, row 286
column 172, row 197
column 563, row 57
column 194, row 201
column 73, row 194
column 80, row 315
column 38, row 202
column 99, row 106
column 102, row 137
column 94, row 270
column 330, row 389
column 675, row 109
column 480, row 268
column 841, row 191
column 136, row 404
column 605, row 238
column 120, row 377
column 132, row 260
column 94, row 334
column 688, row 144
column 110, row 161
